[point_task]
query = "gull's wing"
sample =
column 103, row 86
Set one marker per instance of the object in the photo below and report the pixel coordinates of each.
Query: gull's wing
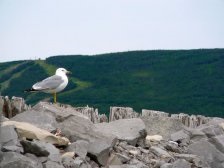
column 49, row 83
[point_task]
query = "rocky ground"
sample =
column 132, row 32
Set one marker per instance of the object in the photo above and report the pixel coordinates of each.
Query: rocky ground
column 60, row 136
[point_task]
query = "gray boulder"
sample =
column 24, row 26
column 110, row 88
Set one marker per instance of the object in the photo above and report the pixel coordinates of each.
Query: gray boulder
column 130, row 130
column 9, row 139
column 47, row 116
column 9, row 136
column 79, row 128
column 16, row 160
column 208, row 153
column 80, row 148
column 41, row 149
column 163, row 126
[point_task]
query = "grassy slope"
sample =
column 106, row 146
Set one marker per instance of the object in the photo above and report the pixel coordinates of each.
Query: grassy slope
column 174, row 81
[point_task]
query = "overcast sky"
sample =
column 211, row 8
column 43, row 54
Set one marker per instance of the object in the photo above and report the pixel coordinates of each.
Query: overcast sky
column 32, row 29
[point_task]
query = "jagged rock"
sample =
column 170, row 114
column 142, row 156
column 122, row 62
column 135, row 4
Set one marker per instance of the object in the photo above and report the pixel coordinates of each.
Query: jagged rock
column 153, row 113
column 192, row 121
column 129, row 130
column 92, row 114
column 163, row 126
column 41, row 149
column 80, row 147
column 79, row 128
column 12, row 107
column 160, row 152
column 18, row 105
column 51, row 164
column 31, row 132
column 117, row 113
column 17, row 160
column 181, row 163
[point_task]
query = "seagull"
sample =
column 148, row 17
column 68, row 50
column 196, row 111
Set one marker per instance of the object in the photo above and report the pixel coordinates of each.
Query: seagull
column 52, row 84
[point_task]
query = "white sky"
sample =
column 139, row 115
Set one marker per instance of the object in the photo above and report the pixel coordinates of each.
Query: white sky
column 32, row 29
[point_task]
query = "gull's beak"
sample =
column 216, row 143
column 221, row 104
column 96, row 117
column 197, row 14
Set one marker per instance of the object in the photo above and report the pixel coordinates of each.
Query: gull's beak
column 68, row 72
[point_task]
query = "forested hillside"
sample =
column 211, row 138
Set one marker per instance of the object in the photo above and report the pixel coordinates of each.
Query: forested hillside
column 189, row 81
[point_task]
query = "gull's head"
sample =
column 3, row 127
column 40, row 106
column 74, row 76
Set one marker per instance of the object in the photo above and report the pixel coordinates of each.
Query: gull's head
column 62, row 71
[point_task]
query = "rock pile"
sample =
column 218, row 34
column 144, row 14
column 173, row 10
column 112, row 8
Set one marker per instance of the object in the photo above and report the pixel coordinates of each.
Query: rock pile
column 60, row 136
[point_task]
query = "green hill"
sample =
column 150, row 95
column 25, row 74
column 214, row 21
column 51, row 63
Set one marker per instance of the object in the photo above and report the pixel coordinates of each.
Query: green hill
column 189, row 81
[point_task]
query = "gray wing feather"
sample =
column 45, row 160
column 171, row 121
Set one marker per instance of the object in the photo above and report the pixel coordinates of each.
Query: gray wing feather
column 48, row 83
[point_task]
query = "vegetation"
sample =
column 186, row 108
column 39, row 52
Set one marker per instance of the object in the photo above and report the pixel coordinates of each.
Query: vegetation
column 189, row 81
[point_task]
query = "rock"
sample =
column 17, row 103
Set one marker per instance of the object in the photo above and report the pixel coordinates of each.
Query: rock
column 41, row 149
column 80, row 147
column 68, row 162
column 50, row 164
column 134, row 152
column 18, row 105
column 180, row 136
column 17, row 160
column 211, row 130
column 173, row 147
column 218, row 142
column 153, row 113
column 41, row 119
column 3, row 118
column 208, row 153
column 190, row 158
column 91, row 113
column 114, row 160
column 129, row 130
column 160, row 152
column 125, row 166
column 12, row 107
column 9, row 139
column 123, row 158
column 166, row 165
column 47, row 116
column 35, row 158
column 79, row 128
column 68, row 154
column 221, row 125
column 117, row 113
column 31, row 132
column 191, row 121
column 181, row 163
column 153, row 138
column 9, row 136
column 163, row 126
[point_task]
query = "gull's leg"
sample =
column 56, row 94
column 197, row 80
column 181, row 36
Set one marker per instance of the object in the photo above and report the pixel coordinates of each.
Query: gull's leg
column 55, row 97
